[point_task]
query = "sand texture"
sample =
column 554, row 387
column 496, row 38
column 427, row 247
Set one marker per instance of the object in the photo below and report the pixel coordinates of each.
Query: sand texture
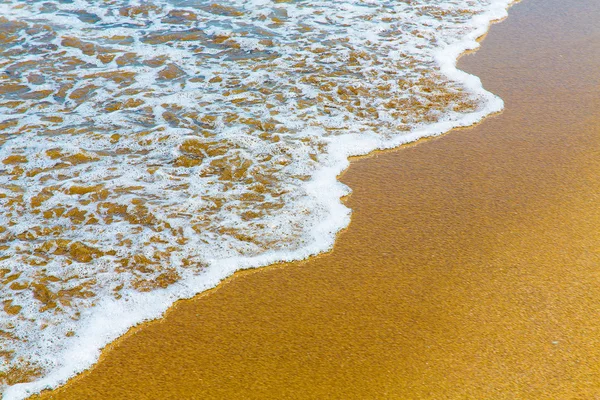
column 471, row 268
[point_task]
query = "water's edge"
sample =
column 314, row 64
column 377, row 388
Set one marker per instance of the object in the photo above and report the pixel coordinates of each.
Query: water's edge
column 114, row 319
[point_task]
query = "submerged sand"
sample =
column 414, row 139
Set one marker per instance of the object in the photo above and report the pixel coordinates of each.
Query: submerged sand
column 471, row 268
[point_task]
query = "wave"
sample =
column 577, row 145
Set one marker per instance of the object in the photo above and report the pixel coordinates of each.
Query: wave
column 148, row 150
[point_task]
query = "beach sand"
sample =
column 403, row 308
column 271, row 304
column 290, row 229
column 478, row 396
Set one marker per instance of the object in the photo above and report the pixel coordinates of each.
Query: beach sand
column 471, row 268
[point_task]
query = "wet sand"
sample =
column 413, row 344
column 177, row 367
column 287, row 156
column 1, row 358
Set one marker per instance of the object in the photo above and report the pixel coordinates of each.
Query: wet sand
column 471, row 268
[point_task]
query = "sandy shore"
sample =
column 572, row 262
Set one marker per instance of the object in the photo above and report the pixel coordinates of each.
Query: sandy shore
column 471, row 268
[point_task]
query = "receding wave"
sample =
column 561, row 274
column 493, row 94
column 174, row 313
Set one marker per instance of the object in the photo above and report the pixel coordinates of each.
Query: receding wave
column 148, row 149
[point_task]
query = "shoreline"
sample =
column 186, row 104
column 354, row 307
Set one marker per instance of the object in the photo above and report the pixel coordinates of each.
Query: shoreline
column 357, row 202
column 340, row 216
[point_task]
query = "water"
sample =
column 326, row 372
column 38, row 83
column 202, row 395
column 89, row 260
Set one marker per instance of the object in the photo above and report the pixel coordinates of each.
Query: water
column 150, row 149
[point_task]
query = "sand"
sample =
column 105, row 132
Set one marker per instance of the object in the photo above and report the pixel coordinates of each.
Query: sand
column 471, row 268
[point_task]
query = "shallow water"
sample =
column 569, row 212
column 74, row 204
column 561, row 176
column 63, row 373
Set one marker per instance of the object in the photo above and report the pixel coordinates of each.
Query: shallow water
column 150, row 149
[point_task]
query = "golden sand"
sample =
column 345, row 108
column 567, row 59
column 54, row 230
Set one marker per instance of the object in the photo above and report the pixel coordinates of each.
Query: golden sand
column 471, row 268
